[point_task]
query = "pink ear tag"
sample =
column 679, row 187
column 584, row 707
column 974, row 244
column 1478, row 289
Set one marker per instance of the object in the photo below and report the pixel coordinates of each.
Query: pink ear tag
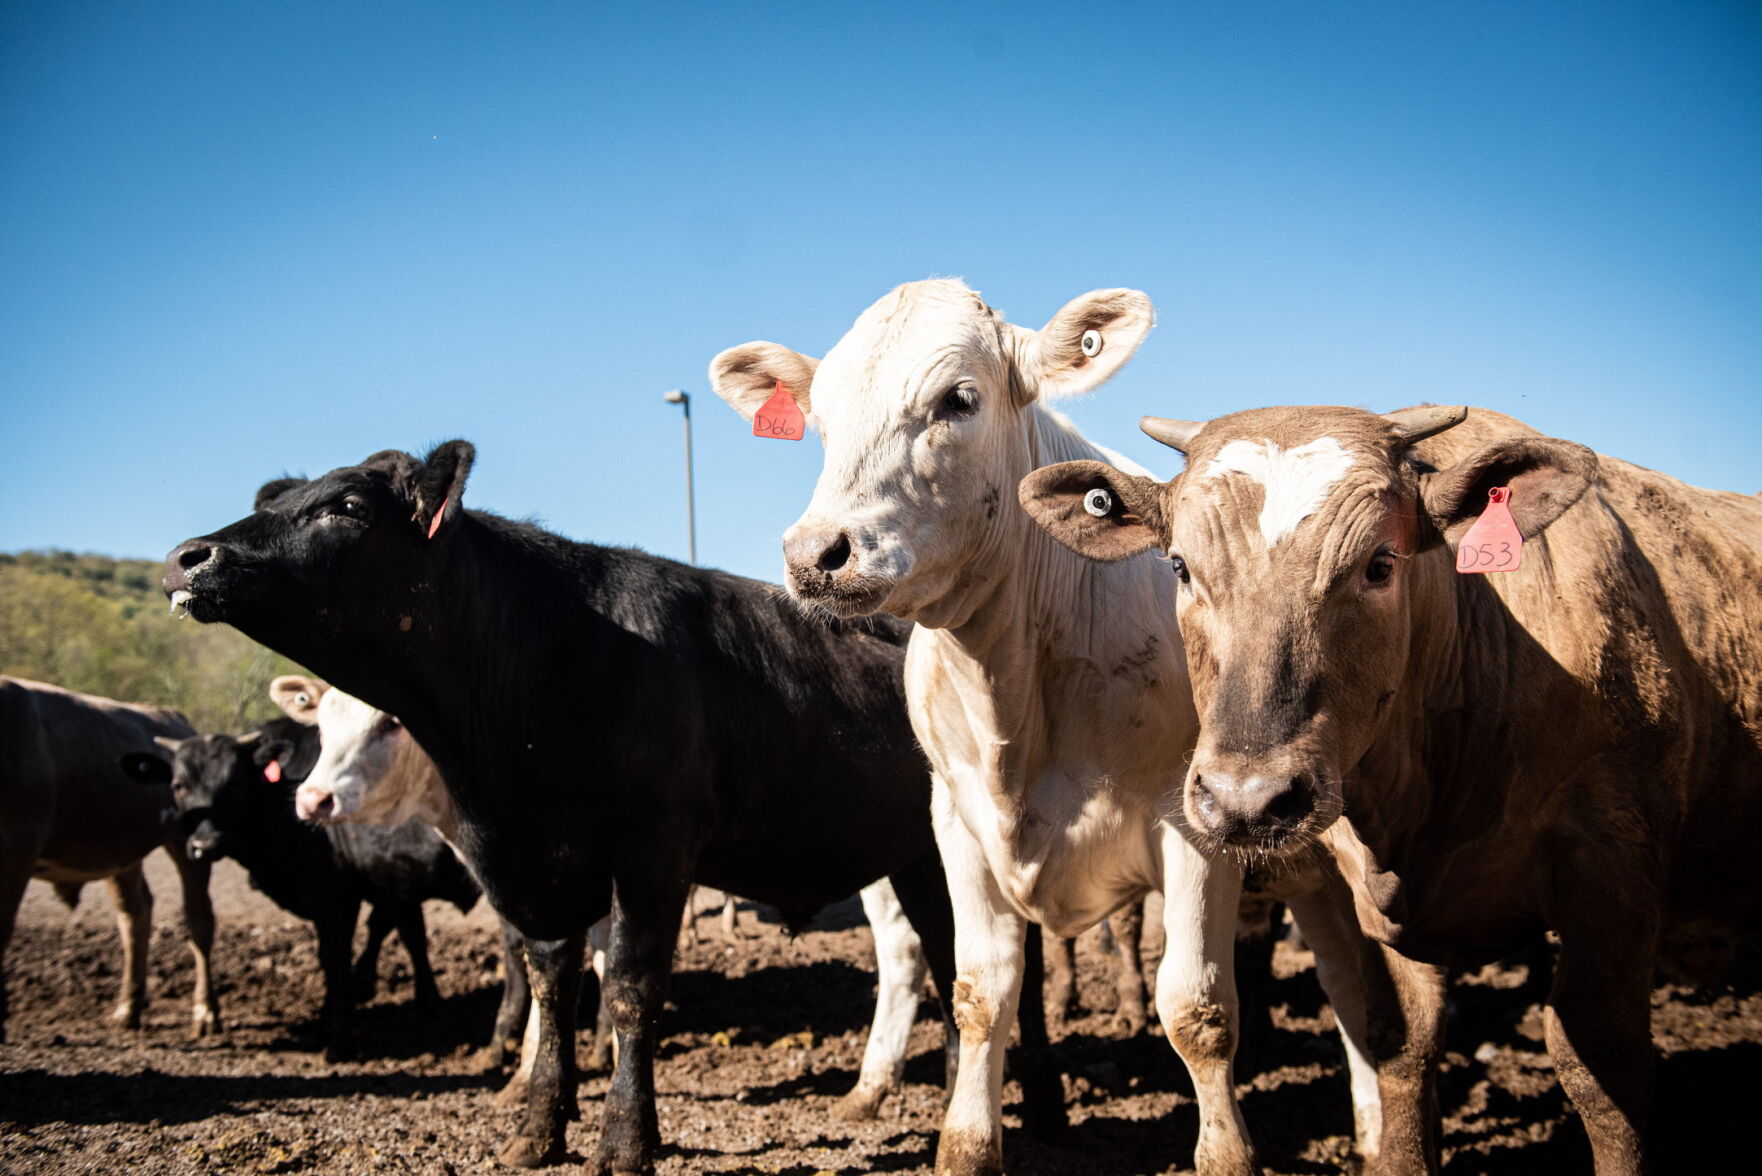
column 1493, row 544
column 434, row 523
column 781, row 418
column 272, row 771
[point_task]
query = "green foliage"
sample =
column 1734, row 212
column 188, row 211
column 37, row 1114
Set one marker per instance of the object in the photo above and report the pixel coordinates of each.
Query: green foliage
column 102, row 626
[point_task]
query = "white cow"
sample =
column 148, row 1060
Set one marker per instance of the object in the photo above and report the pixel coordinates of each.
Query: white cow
column 1049, row 692
column 370, row 770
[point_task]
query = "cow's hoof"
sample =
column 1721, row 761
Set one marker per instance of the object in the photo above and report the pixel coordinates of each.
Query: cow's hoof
column 513, row 1094
column 961, row 1153
column 526, row 1151
column 603, row 1166
column 204, row 1022
column 127, row 1015
column 859, row 1106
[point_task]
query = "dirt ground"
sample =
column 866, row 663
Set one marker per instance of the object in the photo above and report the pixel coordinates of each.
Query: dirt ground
column 762, row 1037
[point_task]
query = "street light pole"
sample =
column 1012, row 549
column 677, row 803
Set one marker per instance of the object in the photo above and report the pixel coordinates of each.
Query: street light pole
column 683, row 399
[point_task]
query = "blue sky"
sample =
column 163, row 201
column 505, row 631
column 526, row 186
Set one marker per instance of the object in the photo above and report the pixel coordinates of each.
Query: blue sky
column 242, row 239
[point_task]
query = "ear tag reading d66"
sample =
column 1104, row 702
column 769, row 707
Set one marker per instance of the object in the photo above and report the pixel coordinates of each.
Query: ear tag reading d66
column 272, row 771
column 1493, row 544
column 781, row 417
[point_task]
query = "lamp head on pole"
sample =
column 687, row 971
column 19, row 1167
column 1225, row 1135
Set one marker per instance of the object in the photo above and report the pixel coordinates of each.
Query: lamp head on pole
column 676, row 396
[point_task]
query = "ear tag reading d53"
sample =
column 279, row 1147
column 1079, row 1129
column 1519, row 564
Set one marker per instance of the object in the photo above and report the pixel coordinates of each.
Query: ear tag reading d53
column 781, row 417
column 272, row 771
column 1493, row 544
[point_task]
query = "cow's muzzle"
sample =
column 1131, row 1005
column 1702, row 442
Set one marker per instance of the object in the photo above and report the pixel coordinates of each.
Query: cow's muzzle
column 1265, row 807
column 824, row 566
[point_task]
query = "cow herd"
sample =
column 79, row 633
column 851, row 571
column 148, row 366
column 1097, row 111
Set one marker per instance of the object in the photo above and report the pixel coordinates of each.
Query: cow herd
column 1435, row 681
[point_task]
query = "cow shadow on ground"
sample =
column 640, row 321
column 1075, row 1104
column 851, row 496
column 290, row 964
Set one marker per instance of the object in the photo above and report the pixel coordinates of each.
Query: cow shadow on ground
column 34, row 1097
column 399, row 1029
column 826, row 997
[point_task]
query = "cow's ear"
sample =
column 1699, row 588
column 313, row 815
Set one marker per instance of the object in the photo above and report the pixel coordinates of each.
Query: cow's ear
column 271, row 749
column 143, row 767
column 1096, row 510
column 748, row 375
column 298, row 697
column 1085, row 343
column 1546, row 476
column 270, row 491
column 440, row 483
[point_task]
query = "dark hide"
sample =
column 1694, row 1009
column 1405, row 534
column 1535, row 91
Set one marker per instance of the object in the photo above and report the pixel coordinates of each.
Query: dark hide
column 612, row 727
column 323, row 875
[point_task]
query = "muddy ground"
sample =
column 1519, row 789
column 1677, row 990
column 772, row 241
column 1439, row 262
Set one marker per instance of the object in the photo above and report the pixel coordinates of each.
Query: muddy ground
column 762, row 1037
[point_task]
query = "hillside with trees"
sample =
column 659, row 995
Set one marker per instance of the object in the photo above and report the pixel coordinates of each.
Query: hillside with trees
column 102, row 626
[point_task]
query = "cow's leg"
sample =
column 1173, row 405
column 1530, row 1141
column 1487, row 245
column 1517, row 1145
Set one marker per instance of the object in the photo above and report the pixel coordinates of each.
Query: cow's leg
column 1132, row 1012
column 731, row 918
column 605, row 1037
column 413, row 933
column 553, row 967
column 382, row 916
column 199, row 928
column 900, row 968
column 1196, row 996
column 1390, row 1013
column 639, row 969
column 1257, row 931
column 516, row 996
column 1598, row 1027
column 336, row 943
column 1061, row 969
column 134, row 922
column 1043, row 1091
column 988, row 944
column 922, row 890
column 514, row 1092
column 15, row 874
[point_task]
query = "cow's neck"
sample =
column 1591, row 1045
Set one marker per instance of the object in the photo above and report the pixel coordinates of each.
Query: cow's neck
column 1067, row 655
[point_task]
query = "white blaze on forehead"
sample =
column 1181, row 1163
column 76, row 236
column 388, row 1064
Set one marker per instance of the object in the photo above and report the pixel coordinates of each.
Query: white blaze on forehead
column 1296, row 481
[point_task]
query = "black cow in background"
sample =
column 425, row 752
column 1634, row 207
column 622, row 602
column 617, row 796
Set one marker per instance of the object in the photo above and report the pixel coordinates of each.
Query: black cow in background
column 612, row 727
column 236, row 798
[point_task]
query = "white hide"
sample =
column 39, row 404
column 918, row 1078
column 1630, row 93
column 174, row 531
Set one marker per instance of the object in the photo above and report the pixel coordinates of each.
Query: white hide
column 1295, row 482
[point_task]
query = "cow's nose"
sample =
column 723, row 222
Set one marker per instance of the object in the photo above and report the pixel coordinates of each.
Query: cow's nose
column 824, row 550
column 193, row 555
column 313, row 804
column 1248, row 807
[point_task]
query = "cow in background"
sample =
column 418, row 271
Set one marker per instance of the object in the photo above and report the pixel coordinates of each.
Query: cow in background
column 229, row 808
column 371, row 771
column 1049, row 692
column 66, row 818
column 611, row 728
column 1574, row 744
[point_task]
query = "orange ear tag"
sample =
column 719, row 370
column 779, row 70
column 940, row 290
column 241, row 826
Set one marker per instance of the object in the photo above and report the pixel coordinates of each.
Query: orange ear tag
column 781, row 417
column 1493, row 544
column 272, row 771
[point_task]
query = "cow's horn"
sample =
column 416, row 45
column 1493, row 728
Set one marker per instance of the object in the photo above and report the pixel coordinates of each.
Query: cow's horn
column 1177, row 435
column 1413, row 425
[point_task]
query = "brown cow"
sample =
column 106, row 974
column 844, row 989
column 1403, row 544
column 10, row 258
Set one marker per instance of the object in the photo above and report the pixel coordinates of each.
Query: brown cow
column 68, row 816
column 1575, row 744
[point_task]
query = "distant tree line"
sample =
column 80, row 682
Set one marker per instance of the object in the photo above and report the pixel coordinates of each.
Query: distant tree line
column 102, row 626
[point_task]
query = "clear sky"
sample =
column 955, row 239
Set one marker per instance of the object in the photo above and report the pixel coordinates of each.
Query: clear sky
column 243, row 239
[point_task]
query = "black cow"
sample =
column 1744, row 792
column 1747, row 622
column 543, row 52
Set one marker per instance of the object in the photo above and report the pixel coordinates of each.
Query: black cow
column 235, row 795
column 612, row 728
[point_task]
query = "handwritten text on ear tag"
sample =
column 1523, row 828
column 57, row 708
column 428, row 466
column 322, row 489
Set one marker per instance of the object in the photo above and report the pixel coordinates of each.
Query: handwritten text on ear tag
column 1493, row 544
column 272, row 771
column 780, row 418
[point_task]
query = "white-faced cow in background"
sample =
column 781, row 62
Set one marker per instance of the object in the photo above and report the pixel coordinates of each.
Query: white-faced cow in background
column 1049, row 692
column 371, row 771
column 68, row 818
column 1575, row 744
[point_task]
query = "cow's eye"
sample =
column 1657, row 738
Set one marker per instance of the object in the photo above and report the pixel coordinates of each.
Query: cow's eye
column 1180, row 566
column 1380, row 567
column 353, row 508
column 957, row 403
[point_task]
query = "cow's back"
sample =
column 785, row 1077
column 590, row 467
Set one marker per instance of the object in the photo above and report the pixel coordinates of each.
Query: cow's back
column 100, row 820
